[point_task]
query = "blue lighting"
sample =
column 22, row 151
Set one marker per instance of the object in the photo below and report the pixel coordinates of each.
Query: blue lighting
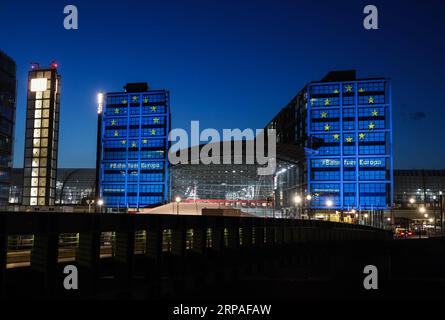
column 353, row 166
column 134, row 171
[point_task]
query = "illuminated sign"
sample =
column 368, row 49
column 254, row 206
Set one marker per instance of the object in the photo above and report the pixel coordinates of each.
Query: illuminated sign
column 39, row 85
column 352, row 163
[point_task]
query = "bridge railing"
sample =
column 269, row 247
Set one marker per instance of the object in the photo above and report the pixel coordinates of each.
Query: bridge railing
column 86, row 238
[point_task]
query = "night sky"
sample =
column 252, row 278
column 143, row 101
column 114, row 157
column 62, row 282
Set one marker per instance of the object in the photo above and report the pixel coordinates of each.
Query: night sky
column 231, row 63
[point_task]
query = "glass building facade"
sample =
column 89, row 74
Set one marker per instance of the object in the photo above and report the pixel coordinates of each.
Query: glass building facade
column 7, row 119
column 134, row 170
column 42, row 136
column 345, row 125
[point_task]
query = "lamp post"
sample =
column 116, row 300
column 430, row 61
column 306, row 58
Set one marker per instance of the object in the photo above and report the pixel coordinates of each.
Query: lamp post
column 177, row 200
column 329, row 205
column 100, row 203
column 298, row 200
column 100, row 108
column 90, row 202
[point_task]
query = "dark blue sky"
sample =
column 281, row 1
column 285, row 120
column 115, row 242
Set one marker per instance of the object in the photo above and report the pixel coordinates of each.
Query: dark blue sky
column 231, row 63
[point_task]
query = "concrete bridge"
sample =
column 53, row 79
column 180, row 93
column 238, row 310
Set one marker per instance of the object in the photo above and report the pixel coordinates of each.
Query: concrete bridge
column 154, row 256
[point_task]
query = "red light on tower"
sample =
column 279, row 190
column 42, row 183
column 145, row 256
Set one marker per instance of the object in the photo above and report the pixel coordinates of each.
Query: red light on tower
column 54, row 65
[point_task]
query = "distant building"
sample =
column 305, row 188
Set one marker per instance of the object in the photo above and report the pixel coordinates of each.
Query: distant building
column 133, row 148
column 42, row 136
column 424, row 186
column 73, row 187
column 345, row 125
column 8, row 85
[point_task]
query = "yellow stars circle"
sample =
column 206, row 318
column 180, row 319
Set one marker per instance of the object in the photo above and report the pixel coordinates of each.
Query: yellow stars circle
column 371, row 100
column 156, row 120
column 371, row 126
column 336, row 91
column 327, row 102
column 324, row 115
column 135, row 98
column 145, row 100
column 124, row 142
column 116, row 111
column 124, row 101
column 113, row 122
column 153, row 132
column 134, row 144
column 116, row 133
column 327, row 127
column 349, row 139
column 348, row 88
column 153, row 109
column 375, row 113
column 145, row 141
column 361, row 90
column 362, row 136
column 336, row 137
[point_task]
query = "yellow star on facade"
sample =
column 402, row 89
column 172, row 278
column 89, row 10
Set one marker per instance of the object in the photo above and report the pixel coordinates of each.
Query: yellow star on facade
column 153, row 132
column 145, row 141
column 156, row 120
column 349, row 88
column 327, row 102
column 349, row 139
column 327, row 127
column 375, row 113
column 153, row 109
column 145, row 100
column 324, row 114
column 116, row 133
column 134, row 144
column 371, row 100
column 113, row 122
column 361, row 90
column 336, row 91
column 135, row 98
column 116, row 111
column 362, row 136
column 124, row 101
column 124, row 142
column 336, row 137
column 371, row 126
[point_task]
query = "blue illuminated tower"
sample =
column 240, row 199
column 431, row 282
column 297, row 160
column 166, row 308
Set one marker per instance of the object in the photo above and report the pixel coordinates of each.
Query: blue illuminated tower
column 133, row 148
column 345, row 124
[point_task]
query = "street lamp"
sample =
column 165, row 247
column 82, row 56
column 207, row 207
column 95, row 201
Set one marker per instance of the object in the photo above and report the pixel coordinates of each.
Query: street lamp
column 329, row 204
column 422, row 210
column 412, row 201
column 100, row 203
column 178, row 200
column 308, row 197
column 298, row 199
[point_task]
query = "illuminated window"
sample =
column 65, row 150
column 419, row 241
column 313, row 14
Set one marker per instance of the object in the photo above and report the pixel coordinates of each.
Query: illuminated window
column 39, row 104
column 36, row 143
column 34, row 192
column 35, row 162
column 42, row 192
column 34, row 182
column 33, row 201
column 36, row 152
column 41, row 201
column 44, row 142
column 45, row 133
column 35, row 172
column 37, row 133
